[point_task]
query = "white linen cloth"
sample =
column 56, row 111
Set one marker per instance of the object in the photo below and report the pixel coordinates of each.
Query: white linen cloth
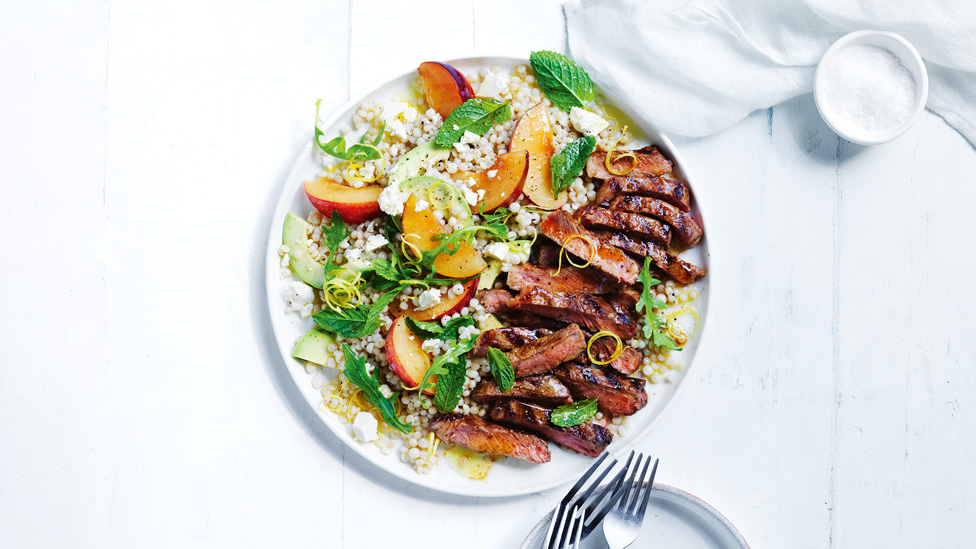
column 699, row 68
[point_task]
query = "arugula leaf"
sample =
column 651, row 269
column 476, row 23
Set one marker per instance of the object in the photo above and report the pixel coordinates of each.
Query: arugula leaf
column 355, row 372
column 434, row 330
column 440, row 364
column 654, row 324
column 564, row 82
column 566, row 166
column 474, row 115
column 334, row 234
column 575, row 413
column 501, row 369
column 359, row 152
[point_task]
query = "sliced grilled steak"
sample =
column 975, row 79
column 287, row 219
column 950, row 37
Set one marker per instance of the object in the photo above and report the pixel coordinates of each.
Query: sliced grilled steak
column 569, row 279
column 587, row 438
column 650, row 162
column 672, row 265
column 544, row 390
column 494, row 300
column 475, row 433
column 532, row 321
column 635, row 224
column 548, row 255
column 669, row 190
column 625, row 297
column 684, row 223
column 560, row 227
column 591, row 311
column 506, row 339
column 603, row 348
column 547, row 352
column 617, row 394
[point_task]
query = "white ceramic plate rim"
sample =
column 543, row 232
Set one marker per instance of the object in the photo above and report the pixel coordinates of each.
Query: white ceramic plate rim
column 285, row 341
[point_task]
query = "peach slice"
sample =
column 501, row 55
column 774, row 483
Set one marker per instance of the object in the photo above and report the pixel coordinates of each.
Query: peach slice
column 444, row 86
column 502, row 182
column 534, row 134
column 447, row 306
column 408, row 359
column 354, row 205
column 466, row 261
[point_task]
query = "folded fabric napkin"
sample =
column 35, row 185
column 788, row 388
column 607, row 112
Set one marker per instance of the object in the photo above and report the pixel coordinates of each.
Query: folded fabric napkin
column 699, row 68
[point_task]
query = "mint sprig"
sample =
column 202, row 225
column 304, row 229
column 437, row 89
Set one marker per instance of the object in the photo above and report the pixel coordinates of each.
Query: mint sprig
column 575, row 413
column 564, row 82
column 501, row 369
column 474, row 115
column 566, row 166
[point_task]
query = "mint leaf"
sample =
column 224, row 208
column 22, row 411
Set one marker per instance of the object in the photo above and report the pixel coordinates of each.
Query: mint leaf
column 352, row 322
column 355, row 372
column 474, row 115
column 564, row 82
column 654, row 324
column 450, row 385
column 501, row 369
column 435, row 330
column 571, row 415
column 566, row 166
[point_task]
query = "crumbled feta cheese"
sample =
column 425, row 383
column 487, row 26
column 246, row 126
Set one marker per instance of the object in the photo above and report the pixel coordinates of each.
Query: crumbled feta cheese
column 587, row 122
column 429, row 345
column 395, row 113
column 421, row 205
column 493, row 86
column 498, row 250
column 364, row 427
column 374, row 242
column 428, row 298
column 367, row 171
column 397, row 128
column 353, row 254
column 391, row 201
column 470, row 196
column 492, row 173
column 298, row 295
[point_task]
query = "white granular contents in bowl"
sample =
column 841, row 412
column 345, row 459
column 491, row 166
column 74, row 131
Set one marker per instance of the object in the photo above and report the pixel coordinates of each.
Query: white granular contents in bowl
column 869, row 89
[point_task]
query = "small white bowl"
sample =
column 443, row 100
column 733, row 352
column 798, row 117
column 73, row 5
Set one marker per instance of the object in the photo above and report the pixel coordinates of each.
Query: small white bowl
column 909, row 57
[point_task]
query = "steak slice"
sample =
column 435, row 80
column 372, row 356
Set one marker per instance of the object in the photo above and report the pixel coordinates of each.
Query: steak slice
column 494, row 300
column 506, row 339
column 636, row 224
column 650, row 162
column 569, row 279
column 587, row 438
column 672, row 265
column 602, row 349
column 547, row 352
column 669, row 190
column 617, row 394
column 684, row 223
column 548, row 255
column 474, row 433
column 532, row 321
column 590, row 311
column 545, row 390
column 560, row 227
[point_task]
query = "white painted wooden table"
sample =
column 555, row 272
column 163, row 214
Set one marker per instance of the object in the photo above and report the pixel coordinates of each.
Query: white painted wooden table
column 142, row 402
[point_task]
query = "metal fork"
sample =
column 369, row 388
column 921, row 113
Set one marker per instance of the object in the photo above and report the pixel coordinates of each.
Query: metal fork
column 623, row 524
column 569, row 522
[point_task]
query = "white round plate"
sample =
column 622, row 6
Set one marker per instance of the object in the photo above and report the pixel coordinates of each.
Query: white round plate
column 674, row 519
column 507, row 477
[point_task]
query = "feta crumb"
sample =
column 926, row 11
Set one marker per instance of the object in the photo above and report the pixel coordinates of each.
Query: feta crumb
column 395, row 113
column 397, row 128
column 492, row 173
column 470, row 196
column 298, row 295
column 429, row 345
column 498, row 250
column 374, row 242
column 428, row 298
column 364, row 427
column 421, row 205
column 587, row 122
column 493, row 86
column 467, row 331
column 391, row 201
column 353, row 254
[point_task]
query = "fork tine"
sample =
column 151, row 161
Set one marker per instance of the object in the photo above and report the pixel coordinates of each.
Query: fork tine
column 647, row 491
column 617, row 489
column 639, row 487
column 611, row 487
column 558, row 518
column 577, row 536
column 629, row 485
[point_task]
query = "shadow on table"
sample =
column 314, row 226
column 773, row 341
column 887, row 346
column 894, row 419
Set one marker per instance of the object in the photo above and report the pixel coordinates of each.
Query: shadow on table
column 304, row 413
column 812, row 135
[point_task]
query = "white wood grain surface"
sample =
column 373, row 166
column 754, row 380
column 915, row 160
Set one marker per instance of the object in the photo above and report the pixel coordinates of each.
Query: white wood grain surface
column 143, row 404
